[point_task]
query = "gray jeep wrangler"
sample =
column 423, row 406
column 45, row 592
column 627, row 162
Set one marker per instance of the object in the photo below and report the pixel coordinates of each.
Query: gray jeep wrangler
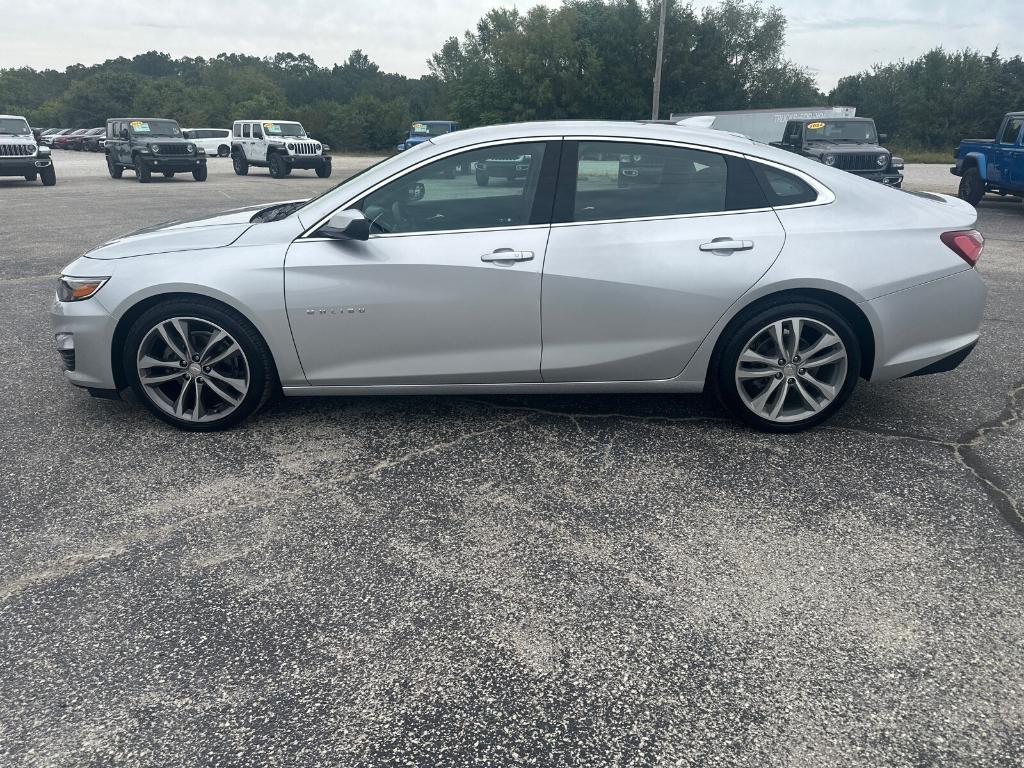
column 21, row 154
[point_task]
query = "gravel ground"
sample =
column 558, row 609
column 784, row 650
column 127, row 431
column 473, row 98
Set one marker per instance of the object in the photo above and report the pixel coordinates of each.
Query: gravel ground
column 551, row 581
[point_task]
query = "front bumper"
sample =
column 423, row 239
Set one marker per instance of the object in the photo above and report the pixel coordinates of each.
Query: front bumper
column 888, row 178
column 173, row 162
column 83, row 333
column 307, row 162
column 22, row 166
column 918, row 328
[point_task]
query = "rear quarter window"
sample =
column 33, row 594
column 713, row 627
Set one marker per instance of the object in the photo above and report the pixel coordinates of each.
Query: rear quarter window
column 783, row 188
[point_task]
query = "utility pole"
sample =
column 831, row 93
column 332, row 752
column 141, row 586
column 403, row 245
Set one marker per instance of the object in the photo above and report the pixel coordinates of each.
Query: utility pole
column 657, row 66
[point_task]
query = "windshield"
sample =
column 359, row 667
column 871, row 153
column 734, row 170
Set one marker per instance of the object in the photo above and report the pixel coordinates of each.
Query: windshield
column 283, row 129
column 165, row 128
column 430, row 129
column 14, row 126
column 862, row 131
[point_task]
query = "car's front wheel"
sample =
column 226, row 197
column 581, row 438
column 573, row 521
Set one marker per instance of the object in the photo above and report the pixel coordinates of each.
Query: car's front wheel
column 200, row 172
column 198, row 365
column 278, row 170
column 787, row 367
column 113, row 168
column 48, row 176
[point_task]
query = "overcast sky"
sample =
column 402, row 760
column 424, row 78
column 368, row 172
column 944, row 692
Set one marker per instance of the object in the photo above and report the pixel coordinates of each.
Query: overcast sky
column 831, row 38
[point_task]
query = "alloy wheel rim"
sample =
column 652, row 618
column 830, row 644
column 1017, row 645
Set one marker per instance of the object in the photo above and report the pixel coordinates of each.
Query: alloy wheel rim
column 193, row 369
column 791, row 370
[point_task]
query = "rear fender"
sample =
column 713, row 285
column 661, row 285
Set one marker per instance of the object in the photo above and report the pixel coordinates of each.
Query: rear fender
column 979, row 160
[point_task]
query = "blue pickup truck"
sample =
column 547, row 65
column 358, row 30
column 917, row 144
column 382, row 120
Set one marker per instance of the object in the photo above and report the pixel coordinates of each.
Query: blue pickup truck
column 423, row 130
column 992, row 165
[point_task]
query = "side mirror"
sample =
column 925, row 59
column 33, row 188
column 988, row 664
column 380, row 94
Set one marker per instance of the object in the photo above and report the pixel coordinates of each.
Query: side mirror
column 882, row 138
column 124, row 134
column 347, row 225
column 400, row 147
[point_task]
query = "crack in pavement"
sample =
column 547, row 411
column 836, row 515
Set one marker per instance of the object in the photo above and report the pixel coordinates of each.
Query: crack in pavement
column 963, row 449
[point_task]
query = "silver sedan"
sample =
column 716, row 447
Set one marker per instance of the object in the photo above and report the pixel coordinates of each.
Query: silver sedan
column 539, row 257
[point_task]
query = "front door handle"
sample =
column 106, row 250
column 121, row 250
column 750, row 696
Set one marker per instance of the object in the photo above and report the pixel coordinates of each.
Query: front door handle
column 507, row 254
column 727, row 244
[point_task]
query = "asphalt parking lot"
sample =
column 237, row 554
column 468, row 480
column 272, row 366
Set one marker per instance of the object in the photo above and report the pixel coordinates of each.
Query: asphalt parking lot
column 551, row 581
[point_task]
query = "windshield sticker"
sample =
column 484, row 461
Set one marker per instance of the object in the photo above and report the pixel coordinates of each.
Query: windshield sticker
column 139, row 127
column 272, row 128
column 419, row 128
column 815, row 126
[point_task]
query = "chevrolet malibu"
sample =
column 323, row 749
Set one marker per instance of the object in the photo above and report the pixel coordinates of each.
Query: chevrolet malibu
column 625, row 258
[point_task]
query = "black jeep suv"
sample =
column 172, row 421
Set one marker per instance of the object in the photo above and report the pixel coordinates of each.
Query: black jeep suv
column 151, row 145
column 848, row 143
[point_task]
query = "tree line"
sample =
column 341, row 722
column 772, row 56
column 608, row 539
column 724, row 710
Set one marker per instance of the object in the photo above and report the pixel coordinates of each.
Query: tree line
column 584, row 59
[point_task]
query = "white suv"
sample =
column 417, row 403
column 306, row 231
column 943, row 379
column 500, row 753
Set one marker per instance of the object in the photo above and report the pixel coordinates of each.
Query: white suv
column 216, row 141
column 279, row 145
column 21, row 155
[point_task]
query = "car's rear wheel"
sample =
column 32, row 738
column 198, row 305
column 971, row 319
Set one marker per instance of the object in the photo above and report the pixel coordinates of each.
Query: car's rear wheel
column 30, row 177
column 197, row 365
column 482, row 179
column 240, row 164
column 168, row 174
column 787, row 367
column 972, row 188
column 223, row 150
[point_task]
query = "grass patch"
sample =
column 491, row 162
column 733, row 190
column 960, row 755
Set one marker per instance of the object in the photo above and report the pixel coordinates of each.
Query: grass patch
column 921, row 155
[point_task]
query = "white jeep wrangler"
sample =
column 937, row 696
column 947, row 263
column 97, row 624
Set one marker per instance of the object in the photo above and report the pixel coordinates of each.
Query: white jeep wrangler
column 279, row 145
column 20, row 153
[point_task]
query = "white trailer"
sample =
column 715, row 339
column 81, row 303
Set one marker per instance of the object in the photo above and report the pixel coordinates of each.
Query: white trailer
column 765, row 125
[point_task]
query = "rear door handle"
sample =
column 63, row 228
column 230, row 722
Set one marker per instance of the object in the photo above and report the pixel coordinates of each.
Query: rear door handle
column 507, row 254
column 727, row 244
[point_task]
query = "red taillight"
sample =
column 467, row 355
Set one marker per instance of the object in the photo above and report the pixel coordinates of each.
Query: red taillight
column 966, row 243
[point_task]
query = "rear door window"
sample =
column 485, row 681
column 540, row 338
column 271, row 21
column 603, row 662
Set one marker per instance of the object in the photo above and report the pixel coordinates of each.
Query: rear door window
column 625, row 180
column 1012, row 130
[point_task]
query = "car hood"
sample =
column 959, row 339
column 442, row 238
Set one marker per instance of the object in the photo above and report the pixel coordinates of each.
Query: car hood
column 183, row 235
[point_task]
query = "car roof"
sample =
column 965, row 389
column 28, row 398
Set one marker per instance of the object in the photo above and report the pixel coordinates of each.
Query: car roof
column 13, row 117
column 598, row 128
column 264, row 120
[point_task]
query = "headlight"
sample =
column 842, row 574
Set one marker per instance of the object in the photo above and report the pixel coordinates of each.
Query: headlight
column 317, row 147
column 190, row 148
column 154, row 148
column 32, row 148
column 291, row 147
column 79, row 288
column 882, row 161
column 828, row 159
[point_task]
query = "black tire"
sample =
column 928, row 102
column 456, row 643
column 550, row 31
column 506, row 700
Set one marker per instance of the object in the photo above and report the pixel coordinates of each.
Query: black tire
column 972, row 188
column 278, row 170
column 200, row 173
column 262, row 374
column 746, row 326
column 143, row 173
column 168, row 174
column 113, row 168
column 240, row 164
column 30, row 177
column 324, row 170
column 223, row 150
column 48, row 176
column 482, row 179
